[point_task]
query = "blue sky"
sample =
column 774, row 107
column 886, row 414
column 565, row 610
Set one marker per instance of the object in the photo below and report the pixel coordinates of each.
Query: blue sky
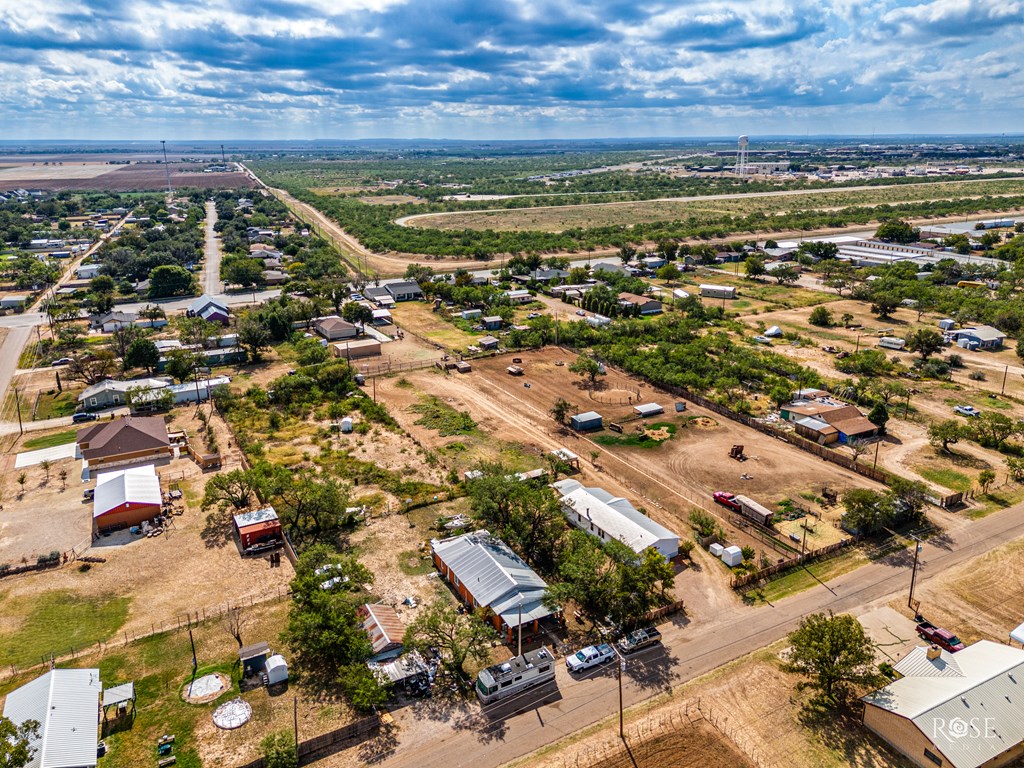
column 506, row 69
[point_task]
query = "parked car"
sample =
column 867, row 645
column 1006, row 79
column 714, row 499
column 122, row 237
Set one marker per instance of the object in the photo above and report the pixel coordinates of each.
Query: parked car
column 590, row 656
column 727, row 500
column 61, row 361
column 966, row 410
column 639, row 639
column 356, row 297
column 581, row 313
column 532, row 315
column 81, row 418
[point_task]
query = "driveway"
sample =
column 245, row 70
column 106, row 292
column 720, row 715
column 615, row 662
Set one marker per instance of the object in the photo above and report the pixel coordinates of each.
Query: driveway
column 211, row 253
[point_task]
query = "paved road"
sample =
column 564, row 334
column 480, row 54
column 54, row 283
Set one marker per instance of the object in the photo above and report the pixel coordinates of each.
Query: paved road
column 212, row 253
column 471, row 739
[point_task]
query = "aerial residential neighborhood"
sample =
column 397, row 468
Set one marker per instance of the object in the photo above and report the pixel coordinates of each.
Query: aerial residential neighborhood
column 533, row 385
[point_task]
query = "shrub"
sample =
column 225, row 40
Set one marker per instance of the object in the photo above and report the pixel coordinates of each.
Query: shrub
column 821, row 316
column 702, row 522
column 976, row 376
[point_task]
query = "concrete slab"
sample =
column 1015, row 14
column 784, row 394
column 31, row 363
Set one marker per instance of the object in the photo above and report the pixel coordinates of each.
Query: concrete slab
column 57, row 453
column 893, row 633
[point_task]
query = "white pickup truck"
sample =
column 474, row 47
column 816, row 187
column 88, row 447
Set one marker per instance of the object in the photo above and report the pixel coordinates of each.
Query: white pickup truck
column 589, row 657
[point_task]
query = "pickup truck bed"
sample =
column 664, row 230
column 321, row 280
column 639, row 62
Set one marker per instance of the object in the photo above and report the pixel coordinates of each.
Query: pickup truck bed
column 639, row 639
column 941, row 637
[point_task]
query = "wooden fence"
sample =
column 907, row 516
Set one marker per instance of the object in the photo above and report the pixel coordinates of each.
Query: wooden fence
column 741, row 583
column 331, row 742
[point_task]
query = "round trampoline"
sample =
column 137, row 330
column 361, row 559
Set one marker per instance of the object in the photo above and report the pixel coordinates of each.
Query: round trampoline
column 205, row 688
column 232, row 714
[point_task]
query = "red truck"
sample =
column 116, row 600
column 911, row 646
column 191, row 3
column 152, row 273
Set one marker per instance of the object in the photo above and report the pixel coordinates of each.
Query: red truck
column 727, row 500
column 940, row 637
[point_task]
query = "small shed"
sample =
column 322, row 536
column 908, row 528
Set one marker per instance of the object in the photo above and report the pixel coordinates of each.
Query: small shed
column 732, row 556
column 276, row 670
column 119, row 698
column 471, row 314
column 492, row 322
column 346, row 424
column 463, row 367
column 648, row 409
column 716, row 549
column 583, row 422
column 947, row 324
column 253, row 658
column 384, row 628
column 351, row 350
column 258, row 526
column 567, row 456
column 488, row 342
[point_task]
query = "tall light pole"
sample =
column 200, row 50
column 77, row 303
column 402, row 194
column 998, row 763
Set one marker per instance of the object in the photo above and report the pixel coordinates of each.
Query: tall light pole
column 913, row 575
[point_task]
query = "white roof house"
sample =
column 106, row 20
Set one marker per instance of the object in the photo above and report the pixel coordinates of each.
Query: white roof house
column 610, row 517
column 66, row 704
column 135, row 485
column 968, row 706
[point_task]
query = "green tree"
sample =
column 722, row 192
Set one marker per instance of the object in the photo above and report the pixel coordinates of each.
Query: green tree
column 247, row 273
column 170, row 280
column 121, row 339
column 925, row 342
column 253, row 336
column 821, row 316
column 668, row 273
column 781, row 394
column 818, row 251
column 182, row 364
column 879, row 416
column 754, row 267
column 896, row 231
column 561, row 409
column 834, row 652
column 884, row 304
column 355, row 312
column 586, row 367
column 627, row 253
column 311, row 351
column 197, row 331
column 946, row 433
column 235, row 490
column 867, row 511
column 785, row 274
column 279, row 750
column 364, row 690
column 16, row 750
column 459, row 637
column 102, row 284
column 985, row 478
column 1015, row 468
column 91, row 368
column 993, row 429
column 142, row 353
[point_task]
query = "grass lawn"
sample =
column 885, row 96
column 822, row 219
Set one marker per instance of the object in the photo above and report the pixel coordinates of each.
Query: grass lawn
column 637, row 440
column 800, row 579
column 994, row 501
column 417, row 318
column 947, row 478
column 55, row 622
column 411, row 564
column 58, row 404
column 49, row 441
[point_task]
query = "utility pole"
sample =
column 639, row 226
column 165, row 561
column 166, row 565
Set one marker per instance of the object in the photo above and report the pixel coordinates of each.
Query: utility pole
column 877, row 443
column 1002, row 390
column 913, row 575
column 622, row 668
column 167, row 168
column 17, row 407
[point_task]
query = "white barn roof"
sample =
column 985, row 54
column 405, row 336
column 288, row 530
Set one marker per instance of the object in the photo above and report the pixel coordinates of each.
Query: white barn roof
column 65, row 703
column 984, row 678
column 137, row 485
column 619, row 519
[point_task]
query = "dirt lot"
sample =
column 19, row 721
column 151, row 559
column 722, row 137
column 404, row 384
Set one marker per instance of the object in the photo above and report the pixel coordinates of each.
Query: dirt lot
column 194, row 566
column 504, row 408
column 747, row 713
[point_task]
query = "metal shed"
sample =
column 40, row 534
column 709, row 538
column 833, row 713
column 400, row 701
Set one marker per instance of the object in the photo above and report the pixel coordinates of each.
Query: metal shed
column 648, row 409
column 582, row 422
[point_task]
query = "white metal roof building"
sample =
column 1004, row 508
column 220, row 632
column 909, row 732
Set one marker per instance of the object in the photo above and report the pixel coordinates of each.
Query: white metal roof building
column 964, row 710
column 648, row 409
column 136, row 485
column 609, row 517
column 66, row 704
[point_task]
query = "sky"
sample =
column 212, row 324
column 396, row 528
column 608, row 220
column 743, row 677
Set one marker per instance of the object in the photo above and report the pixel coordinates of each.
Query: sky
column 506, row 69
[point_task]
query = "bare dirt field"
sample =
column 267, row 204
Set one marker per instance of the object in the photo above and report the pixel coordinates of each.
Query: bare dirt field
column 667, row 480
column 747, row 713
column 118, row 178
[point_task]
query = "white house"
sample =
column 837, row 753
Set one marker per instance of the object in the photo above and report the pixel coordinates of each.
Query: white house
column 608, row 517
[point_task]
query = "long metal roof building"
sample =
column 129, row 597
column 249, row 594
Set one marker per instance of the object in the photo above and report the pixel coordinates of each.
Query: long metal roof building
column 65, row 703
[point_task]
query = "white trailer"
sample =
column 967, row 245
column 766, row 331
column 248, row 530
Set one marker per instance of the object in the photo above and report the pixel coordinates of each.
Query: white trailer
column 718, row 291
column 756, row 512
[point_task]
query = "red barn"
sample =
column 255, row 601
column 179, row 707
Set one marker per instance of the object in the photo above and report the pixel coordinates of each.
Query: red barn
column 259, row 526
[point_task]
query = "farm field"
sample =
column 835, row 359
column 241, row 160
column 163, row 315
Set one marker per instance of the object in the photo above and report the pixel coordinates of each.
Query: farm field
column 668, row 480
column 117, row 178
column 558, row 218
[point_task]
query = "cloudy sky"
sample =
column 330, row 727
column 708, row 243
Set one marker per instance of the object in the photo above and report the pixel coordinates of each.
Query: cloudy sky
column 280, row 69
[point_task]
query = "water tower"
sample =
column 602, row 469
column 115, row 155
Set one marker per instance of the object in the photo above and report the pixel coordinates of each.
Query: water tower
column 741, row 156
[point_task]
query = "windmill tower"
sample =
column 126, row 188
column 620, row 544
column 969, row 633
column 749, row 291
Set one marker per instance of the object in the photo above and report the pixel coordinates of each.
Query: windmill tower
column 741, row 155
